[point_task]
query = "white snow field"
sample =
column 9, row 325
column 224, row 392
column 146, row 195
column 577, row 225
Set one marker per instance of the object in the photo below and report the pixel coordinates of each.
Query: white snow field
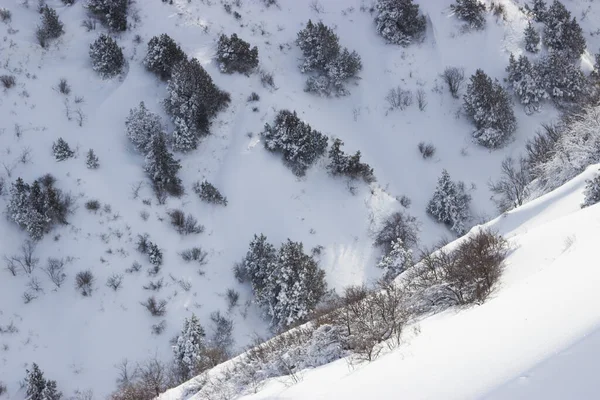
column 536, row 338
column 78, row 341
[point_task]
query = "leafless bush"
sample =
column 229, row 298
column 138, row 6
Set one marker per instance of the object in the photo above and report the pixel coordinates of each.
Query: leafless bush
column 28, row 297
column 154, row 285
column 159, row 328
column 399, row 98
column 194, row 254
column 144, row 382
column 84, row 282
column 115, row 281
column 92, row 205
column 426, row 150
column 2, row 385
column 511, row 189
column 233, row 298
column 89, row 24
column 454, row 77
column 35, row 285
column 25, row 261
column 398, row 226
column 7, row 81
column 5, row 16
column 63, row 87
column 143, row 243
column 135, row 267
column 185, row 225
column 55, row 269
column 421, row 99
column 157, row 308
column 266, row 78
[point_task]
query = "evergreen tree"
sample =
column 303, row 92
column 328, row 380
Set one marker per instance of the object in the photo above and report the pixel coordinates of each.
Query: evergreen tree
column 35, row 383
column 470, row 11
column 141, row 126
column 532, row 39
column 561, row 33
column 189, row 347
column 155, row 255
column 299, row 144
column 18, row 205
column 397, row 261
column 235, row 55
column 193, row 100
column 561, row 78
column 539, row 10
column 51, row 392
column 450, row 204
column 399, row 21
column 209, row 193
column 342, row 164
column 526, row 83
column 163, row 54
column 61, row 150
column 51, row 27
column 592, row 192
column 92, row 160
column 259, row 265
column 488, row 105
column 162, row 167
column 107, row 57
column 113, row 13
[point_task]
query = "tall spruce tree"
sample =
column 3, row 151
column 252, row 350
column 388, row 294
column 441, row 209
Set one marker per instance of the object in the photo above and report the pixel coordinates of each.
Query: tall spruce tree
column 141, row 126
column 532, row 39
column 524, row 79
column 450, row 204
column 163, row 54
column 562, row 33
column 162, row 167
column 399, row 21
column 106, row 56
column 189, row 347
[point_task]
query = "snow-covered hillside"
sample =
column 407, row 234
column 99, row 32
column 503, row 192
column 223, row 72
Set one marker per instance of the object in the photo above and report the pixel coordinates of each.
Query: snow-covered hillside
column 78, row 341
column 536, row 338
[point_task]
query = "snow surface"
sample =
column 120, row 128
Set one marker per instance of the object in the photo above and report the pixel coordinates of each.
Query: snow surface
column 78, row 341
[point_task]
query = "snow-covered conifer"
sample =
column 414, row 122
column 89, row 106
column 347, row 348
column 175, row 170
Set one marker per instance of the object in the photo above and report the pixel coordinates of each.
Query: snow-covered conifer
column 532, row 39
column 113, row 13
column 399, row 21
column 209, row 193
column 162, row 167
column 51, row 27
column 155, row 255
column 163, row 54
column 470, row 11
column 61, row 150
column 141, row 125
column 524, row 79
column 92, row 160
column 450, row 204
column 189, row 347
column 562, row 33
column 592, row 192
column 259, row 264
column 35, row 383
column 236, row 55
column 107, row 57
column 342, row 164
column 399, row 259
column 562, row 79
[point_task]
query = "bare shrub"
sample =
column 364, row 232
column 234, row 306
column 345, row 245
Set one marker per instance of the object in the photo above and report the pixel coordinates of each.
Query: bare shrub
column 266, row 78
column 89, row 24
column 455, row 78
column 55, row 269
column 84, row 282
column 427, row 150
column 25, row 261
column 511, row 189
column 159, row 328
column 135, row 267
column 143, row 243
column 421, row 99
column 92, row 205
column 64, row 87
column 5, row 16
column 233, row 298
column 28, row 297
column 185, row 225
column 115, row 281
column 144, row 382
column 154, row 285
column 194, row 254
column 7, row 81
column 2, row 385
column 157, row 308
column 399, row 98
column 398, row 226
column 253, row 97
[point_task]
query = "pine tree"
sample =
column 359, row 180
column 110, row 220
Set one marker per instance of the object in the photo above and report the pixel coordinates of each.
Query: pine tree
column 163, row 54
column 259, row 264
column 189, row 347
column 141, row 126
column 162, row 167
column 539, row 10
column 209, row 193
column 488, row 105
column 113, row 13
column 397, row 261
column 299, row 144
column 155, row 255
column 399, row 21
column 92, row 160
column 561, row 33
column 35, row 383
column 51, row 27
column 184, row 138
column 107, row 57
column 532, row 39
column 470, row 11
column 18, row 206
column 51, row 392
column 235, row 55
column 562, row 79
column 591, row 192
column 524, row 79
column 450, row 204
column 61, row 150
column 341, row 164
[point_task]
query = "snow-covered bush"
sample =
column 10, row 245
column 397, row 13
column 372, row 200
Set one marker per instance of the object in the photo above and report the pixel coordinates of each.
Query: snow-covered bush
column 162, row 167
column 592, row 192
column 106, row 56
column 342, row 164
column 155, row 256
column 287, row 284
column 39, row 388
column 209, row 193
column 141, row 126
column 185, row 225
column 112, row 13
column 192, row 101
column 399, row 21
column 561, row 33
column 331, row 65
column 61, row 150
column 488, row 105
column 454, row 78
column 524, row 79
column 532, row 39
column 51, row 27
column 470, row 11
column 84, row 282
column 189, row 348
column 299, row 144
column 398, row 226
column 91, row 160
column 236, row 55
column 561, row 78
column 163, row 54
column 450, row 204
column 397, row 261
column 37, row 207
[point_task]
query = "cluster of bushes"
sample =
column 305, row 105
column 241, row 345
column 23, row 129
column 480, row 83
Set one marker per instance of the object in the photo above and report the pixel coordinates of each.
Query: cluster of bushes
column 185, row 225
column 235, row 55
column 287, row 283
column 399, row 21
column 331, row 65
column 36, row 208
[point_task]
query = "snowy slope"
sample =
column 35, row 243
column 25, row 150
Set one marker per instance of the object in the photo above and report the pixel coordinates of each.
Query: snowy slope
column 536, row 338
column 77, row 340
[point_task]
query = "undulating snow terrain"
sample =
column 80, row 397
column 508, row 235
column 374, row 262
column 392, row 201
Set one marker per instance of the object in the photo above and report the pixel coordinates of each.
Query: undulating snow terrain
column 547, row 298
